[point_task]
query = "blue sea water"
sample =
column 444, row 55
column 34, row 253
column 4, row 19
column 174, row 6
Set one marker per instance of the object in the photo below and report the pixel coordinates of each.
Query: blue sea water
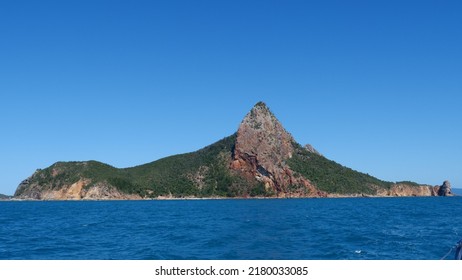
column 343, row 228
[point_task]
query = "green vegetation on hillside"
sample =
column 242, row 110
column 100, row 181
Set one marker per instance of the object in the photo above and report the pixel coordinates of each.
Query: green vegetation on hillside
column 67, row 173
column 409, row 183
column 203, row 173
column 332, row 177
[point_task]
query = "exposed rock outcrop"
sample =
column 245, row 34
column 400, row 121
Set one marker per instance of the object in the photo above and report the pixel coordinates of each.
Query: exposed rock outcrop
column 261, row 150
column 445, row 189
column 403, row 189
column 29, row 189
column 311, row 149
column 407, row 190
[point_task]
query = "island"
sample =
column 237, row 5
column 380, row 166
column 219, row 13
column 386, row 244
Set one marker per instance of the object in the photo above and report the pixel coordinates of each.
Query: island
column 260, row 160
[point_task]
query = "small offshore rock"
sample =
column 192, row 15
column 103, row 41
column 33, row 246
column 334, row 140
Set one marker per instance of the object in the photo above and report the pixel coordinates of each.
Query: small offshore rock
column 445, row 189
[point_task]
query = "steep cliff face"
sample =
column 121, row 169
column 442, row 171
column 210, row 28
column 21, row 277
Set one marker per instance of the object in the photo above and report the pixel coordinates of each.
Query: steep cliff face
column 445, row 189
column 262, row 148
column 407, row 190
column 403, row 189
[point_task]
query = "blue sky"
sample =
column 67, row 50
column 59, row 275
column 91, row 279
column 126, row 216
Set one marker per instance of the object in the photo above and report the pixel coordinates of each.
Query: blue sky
column 373, row 85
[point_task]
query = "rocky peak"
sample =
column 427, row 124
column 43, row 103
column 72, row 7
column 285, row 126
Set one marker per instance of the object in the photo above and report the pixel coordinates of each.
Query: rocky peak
column 445, row 189
column 262, row 148
column 260, row 133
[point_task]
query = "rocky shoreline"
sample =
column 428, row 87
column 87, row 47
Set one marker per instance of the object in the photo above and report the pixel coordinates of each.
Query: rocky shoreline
column 397, row 191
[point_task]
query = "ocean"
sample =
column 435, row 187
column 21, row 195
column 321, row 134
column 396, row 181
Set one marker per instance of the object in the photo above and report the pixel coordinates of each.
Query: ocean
column 411, row 228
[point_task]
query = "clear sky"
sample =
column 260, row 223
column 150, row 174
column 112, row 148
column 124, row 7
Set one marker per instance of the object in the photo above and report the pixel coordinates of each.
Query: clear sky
column 373, row 85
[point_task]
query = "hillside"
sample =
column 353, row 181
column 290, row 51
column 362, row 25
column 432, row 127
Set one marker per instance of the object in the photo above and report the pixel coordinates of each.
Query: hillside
column 203, row 173
column 261, row 159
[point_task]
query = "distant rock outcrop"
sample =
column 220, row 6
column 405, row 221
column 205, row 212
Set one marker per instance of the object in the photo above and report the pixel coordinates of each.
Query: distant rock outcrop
column 445, row 189
column 408, row 190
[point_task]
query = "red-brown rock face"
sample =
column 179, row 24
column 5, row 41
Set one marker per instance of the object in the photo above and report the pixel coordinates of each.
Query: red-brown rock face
column 262, row 148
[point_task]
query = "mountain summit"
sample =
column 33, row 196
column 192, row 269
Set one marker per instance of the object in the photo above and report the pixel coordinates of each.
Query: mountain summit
column 262, row 149
column 261, row 159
